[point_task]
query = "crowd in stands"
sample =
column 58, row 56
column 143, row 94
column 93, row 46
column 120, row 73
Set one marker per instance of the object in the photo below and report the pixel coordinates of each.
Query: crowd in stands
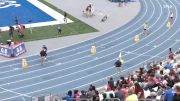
column 153, row 82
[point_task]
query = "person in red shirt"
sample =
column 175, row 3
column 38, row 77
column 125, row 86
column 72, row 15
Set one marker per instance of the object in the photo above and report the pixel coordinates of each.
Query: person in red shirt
column 124, row 90
column 76, row 95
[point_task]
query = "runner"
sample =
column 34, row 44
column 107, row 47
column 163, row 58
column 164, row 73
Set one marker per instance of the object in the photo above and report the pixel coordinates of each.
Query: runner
column 171, row 16
column 146, row 29
column 118, row 64
column 43, row 56
column 45, row 49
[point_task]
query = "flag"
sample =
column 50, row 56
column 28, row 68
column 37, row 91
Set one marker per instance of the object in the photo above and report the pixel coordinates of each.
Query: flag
column 120, row 55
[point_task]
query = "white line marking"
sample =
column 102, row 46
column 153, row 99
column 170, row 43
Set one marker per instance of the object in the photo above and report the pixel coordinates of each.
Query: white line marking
column 88, row 68
column 75, row 59
column 88, row 40
column 72, row 60
column 99, row 46
column 14, row 92
column 88, row 75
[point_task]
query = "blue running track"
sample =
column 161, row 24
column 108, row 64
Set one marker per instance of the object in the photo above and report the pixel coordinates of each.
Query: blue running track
column 75, row 68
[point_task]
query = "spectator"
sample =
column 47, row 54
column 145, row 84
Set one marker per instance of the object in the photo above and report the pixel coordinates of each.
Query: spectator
column 176, row 96
column 91, row 91
column 171, row 54
column 76, row 95
column 111, row 83
column 153, row 95
column 83, row 95
column 96, row 96
column 117, row 84
column 119, row 94
column 131, row 96
column 111, row 96
column 169, row 66
column 104, row 96
column 108, row 94
column 68, row 96
column 168, row 96
column 140, row 79
column 124, row 90
column 139, row 91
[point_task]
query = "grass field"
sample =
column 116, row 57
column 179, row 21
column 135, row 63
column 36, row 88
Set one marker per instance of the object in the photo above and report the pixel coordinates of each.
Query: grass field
column 39, row 33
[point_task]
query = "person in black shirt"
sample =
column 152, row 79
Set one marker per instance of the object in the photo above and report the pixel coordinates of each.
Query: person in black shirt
column 176, row 96
column 118, row 64
column 45, row 49
column 43, row 55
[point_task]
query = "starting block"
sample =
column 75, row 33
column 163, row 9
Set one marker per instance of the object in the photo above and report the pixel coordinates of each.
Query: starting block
column 168, row 25
column 24, row 64
column 93, row 50
column 137, row 39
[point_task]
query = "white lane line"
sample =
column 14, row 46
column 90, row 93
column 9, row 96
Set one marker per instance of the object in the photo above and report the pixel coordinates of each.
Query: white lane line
column 64, row 63
column 128, row 68
column 89, row 68
column 136, row 64
column 96, row 65
column 84, row 56
column 14, row 92
column 142, row 55
column 84, row 77
column 115, row 73
column 92, row 39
